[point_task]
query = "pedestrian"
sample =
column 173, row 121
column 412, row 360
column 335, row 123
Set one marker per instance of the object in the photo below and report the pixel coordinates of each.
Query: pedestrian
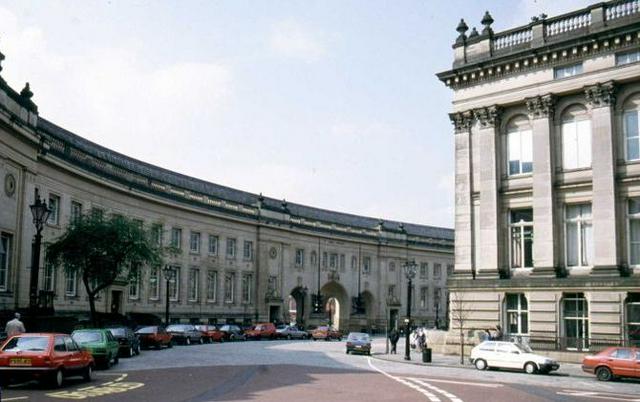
column 394, row 336
column 486, row 336
column 498, row 333
column 15, row 326
column 422, row 341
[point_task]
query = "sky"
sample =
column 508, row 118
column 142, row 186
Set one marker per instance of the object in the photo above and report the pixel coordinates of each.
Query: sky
column 332, row 104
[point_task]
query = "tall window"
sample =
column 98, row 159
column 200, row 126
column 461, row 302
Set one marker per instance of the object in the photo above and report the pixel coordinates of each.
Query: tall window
column 333, row 261
column 212, row 286
column 391, row 291
column 174, row 284
column 342, row 263
column 154, row 283
column 354, row 262
column 630, row 129
column 5, row 261
column 366, row 265
column 437, row 271
column 70, row 282
column 633, row 319
column 176, row 238
column 314, row 258
column 324, row 259
column 517, row 314
column 424, row 270
column 76, row 211
column 521, row 232
column 134, row 284
column 231, row 248
column 299, row 257
column 54, row 206
column 575, row 313
column 423, row 297
column 156, row 233
column 392, row 266
column 194, row 284
column 449, row 269
column 579, row 234
column 633, row 215
column 213, row 244
column 194, row 242
column 248, row 250
column 229, row 287
column 246, row 288
column 576, row 139
column 519, row 147
column 97, row 212
column 49, row 277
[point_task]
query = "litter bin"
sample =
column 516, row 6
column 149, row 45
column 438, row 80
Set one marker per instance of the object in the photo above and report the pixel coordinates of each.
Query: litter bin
column 426, row 355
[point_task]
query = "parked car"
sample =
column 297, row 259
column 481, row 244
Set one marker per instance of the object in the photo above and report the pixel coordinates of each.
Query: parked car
column 326, row 333
column 510, row 355
column 44, row 357
column 100, row 343
column 264, row 330
column 613, row 362
column 210, row 333
column 291, row 332
column 232, row 332
column 154, row 336
column 359, row 342
column 185, row 333
column 128, row 341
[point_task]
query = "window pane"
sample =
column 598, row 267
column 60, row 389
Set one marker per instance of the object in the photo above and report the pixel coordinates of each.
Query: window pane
column 569, row 146
column 633, row 149
column 518, row 215
column 633, row 313
column 587, row 244
column 513, row 140
column 524, row 322
column 526, row 153
column 584, row 143
column 572, row 211
column 512, row 302
column 523, row 302
column 516, row 248
column 572, row 244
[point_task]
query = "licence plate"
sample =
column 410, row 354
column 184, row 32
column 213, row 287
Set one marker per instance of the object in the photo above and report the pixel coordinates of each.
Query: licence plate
column 20, row 362
column 358, row 346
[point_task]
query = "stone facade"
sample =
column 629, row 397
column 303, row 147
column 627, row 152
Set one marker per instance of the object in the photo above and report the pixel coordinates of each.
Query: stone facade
column 243, row 255
column 547, row 178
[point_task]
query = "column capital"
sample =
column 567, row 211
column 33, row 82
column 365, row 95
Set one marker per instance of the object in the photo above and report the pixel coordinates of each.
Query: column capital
column 488, row 116
column 462, row 121
column 601, row 95
column 540, row 107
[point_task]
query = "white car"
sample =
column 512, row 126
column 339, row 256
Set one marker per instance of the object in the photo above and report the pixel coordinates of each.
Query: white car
column 510, row 355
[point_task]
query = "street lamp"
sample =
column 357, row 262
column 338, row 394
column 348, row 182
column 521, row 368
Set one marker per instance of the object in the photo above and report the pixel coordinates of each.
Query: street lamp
column 169, row 273
column 40, row 213
column 303, row 294
column 410, row 272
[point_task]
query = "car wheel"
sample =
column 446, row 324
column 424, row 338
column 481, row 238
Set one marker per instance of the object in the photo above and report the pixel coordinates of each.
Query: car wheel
column 288, row 337
column 88, row 374
column 530, row 368
column 56, row 379
column 481, row 364
column 187, row 341
column 116, row 360
column 604, row 374
column 131, row 351
column 138, row 350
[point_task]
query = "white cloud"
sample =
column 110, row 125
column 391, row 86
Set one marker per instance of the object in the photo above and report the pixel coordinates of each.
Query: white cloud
column 291, row 39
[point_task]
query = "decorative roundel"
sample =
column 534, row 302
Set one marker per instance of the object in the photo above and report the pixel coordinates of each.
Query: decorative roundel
column 9, row 184
column 273, row 253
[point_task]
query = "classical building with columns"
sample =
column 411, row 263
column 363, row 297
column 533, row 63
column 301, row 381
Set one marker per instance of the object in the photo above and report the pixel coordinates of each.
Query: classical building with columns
column 245, row 257
column 547, row 173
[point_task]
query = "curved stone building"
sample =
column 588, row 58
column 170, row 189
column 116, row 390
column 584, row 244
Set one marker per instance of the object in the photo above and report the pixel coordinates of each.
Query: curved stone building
column 245, row 257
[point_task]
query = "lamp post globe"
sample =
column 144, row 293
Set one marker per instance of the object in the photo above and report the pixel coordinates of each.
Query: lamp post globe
column 40, row 212
column 410, row 273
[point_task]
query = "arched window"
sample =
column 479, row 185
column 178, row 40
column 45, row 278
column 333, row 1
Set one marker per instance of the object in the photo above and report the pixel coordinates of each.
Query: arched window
column 576, row 138
column 630, row 128
column 519, row 146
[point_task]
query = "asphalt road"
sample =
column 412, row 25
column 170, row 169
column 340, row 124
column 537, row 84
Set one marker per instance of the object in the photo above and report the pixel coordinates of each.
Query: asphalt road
column 310, row 371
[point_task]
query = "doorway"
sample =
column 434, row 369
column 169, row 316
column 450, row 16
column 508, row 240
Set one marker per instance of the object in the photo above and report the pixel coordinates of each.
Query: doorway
column 116, row 301
column 274, row 314
column 393, row 319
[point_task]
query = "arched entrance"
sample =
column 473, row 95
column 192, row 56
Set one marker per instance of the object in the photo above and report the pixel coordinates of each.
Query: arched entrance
column 336, row 304
column 296, row 311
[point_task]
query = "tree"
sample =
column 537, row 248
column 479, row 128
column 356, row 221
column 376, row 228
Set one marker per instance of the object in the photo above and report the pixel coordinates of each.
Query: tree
column 459, row 315
column 101, row 250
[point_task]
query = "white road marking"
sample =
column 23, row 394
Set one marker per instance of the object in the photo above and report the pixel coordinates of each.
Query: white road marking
column 474, row 384
column 431, row 396
column 17, row 398
column 449, row 395
column 600, row 395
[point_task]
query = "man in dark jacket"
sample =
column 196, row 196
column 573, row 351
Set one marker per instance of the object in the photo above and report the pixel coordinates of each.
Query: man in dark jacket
column 393, row 337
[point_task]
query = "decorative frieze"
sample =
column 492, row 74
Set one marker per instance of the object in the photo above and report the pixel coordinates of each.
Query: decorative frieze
column 462, row 121
column 488, row 116
column 601, row 95
column 541, row 107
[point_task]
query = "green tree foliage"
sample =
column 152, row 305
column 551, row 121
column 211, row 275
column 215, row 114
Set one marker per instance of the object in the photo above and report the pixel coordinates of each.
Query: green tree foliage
column 100, row 250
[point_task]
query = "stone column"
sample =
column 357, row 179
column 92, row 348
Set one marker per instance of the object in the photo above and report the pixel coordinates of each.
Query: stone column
column 463, row 214
column 544, row 249
column 601, row 99
column 486, row 129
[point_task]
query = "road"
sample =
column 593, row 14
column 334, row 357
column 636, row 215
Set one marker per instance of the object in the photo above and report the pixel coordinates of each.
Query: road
column 311, row 371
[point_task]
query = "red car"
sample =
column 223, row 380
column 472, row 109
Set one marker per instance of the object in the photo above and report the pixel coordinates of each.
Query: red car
column 613, row 362
column 211, row 333
column 264, row 330
column 154, row 336
column 45, row 357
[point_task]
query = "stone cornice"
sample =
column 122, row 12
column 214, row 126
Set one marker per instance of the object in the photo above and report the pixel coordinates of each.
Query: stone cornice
column 488, row 117
column 541, row 107
column 601, row 95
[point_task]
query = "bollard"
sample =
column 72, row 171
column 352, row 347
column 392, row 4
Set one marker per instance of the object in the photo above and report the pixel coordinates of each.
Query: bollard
column 426, row 355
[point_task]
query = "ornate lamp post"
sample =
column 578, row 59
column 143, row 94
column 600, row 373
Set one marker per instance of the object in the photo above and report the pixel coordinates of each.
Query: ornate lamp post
column 169, row 274
column 410, row 272
column 40, row 213
column 303, row 293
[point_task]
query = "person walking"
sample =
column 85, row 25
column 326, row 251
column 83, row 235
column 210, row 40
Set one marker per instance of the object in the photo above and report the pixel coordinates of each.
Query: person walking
column 15, row 326
column 394, row 336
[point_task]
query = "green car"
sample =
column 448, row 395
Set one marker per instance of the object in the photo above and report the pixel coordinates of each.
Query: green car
column 100, row 343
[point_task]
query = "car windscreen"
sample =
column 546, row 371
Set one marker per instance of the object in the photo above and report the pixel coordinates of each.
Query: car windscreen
column 358, row 337
column 146, row 330
column 176, row 328
column 27, row 343
column 117, row 331
column 86, row 337
column 523, row 348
